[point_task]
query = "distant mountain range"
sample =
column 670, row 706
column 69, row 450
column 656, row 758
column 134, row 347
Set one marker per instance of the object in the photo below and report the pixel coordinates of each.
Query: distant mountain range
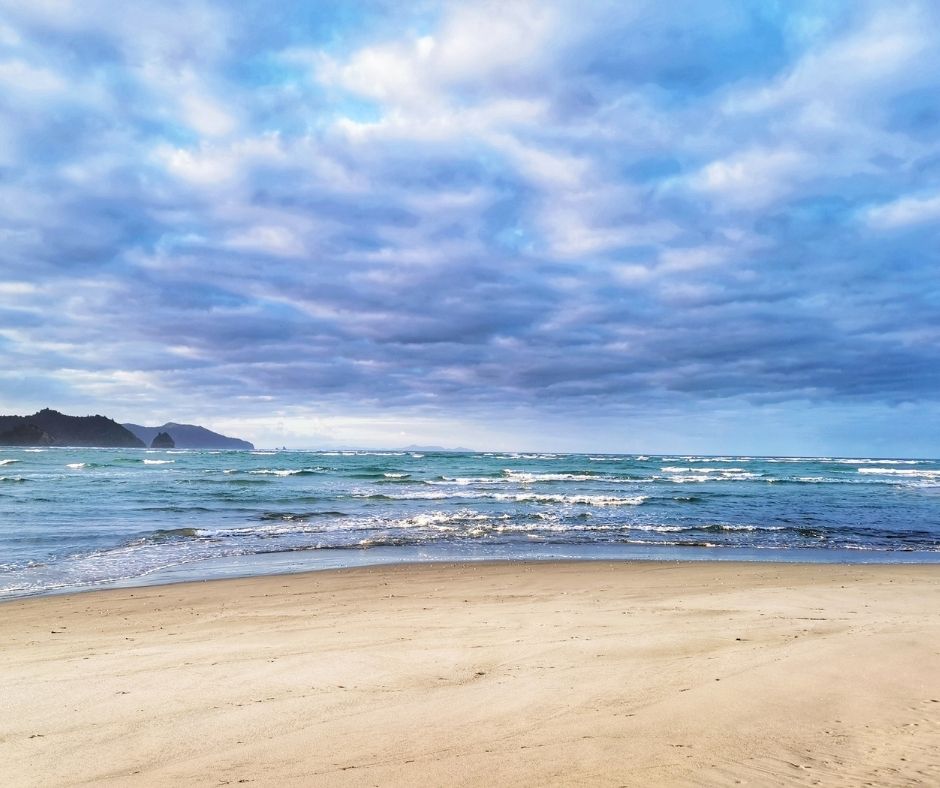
column 421, row 447
column 51, row 428
column 188, row 436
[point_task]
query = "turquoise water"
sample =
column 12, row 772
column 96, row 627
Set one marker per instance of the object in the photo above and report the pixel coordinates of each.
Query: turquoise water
column 80, row 518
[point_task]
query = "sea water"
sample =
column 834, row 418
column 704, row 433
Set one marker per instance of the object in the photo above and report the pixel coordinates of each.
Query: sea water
column 83, row 518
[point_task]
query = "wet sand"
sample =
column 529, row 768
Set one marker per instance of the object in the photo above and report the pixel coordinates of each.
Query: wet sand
column 588, row 673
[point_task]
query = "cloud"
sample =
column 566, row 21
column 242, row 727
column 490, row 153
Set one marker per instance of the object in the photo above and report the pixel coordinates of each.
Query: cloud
column 470, row 214
column 904, row 212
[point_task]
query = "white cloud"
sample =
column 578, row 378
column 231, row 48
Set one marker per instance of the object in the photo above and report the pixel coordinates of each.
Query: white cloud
column 20, row 76
column 693, row 257
column 17, row 288
column 211, row 164
column 278, row 241
column 206, row 115
column 8, row 36
column 754, row 178
column 904, row 212
column 848, row 68
column 475, row 46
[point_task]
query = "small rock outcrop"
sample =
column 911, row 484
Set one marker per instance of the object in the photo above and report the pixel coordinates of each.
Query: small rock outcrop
column 163, row 440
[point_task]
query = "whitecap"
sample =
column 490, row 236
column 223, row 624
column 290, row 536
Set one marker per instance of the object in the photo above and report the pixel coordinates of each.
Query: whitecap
column 584, row 500
column 274, row 472
column 283, row 472
column 928, row 474
column 688, row 468
column 863, row 461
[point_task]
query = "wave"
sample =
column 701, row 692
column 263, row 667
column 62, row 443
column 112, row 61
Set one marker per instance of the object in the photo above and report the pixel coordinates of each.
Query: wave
column 438, row 519
column 283, row 472
column 526, row 477
column 689, row 468
column 7, row 462
column 158, row 462
column 532, row 477
column 233, row 481
column 13, row 479
column 167, row 534
column 588, row 500
column 294, row 516
column 703, row 476
column 177, row 509
column 909, row 472
column 864, row 461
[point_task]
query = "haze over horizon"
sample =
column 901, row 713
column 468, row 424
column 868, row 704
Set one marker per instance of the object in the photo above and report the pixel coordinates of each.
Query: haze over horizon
column 642, row 227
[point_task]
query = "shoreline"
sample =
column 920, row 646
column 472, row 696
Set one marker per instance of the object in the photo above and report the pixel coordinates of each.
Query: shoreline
column 242, row 567
column 473, row 673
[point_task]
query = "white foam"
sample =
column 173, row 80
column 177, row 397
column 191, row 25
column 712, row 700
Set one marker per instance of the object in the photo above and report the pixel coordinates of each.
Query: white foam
column 703, row 475
column 585, row 500
column 688, row 468
column 158, row 462
column 278, row 471
column 864, row 461
column 8, row 462
column 525, row 477
column 77, row 465
column 926, row 474
column 588, row 500
column 438, row 519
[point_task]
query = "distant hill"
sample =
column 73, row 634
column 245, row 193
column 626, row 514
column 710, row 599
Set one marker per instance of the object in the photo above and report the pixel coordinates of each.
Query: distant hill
column 188, row 436
column 419, row 447
column 51, row 428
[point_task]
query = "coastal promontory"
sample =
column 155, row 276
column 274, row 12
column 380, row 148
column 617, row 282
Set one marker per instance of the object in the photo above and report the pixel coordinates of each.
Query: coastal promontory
column 189, row 436
column 51, row 428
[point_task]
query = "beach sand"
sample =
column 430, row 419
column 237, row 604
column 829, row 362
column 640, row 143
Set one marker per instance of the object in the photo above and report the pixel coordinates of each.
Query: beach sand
column 482, row 674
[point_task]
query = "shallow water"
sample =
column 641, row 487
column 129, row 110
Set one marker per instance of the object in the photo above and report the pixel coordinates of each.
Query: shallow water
column 77, row 518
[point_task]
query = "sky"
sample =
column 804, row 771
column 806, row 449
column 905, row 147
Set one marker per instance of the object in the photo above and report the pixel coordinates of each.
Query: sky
column 708, row 227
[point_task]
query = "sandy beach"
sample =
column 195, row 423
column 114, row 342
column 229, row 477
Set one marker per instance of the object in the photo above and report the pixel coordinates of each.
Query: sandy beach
column 482, row 674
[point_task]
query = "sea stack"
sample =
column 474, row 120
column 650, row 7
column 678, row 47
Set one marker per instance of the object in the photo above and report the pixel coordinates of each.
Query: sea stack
column 163, row 440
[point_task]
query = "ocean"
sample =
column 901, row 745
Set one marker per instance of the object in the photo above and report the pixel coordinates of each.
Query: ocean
column 84, row 518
